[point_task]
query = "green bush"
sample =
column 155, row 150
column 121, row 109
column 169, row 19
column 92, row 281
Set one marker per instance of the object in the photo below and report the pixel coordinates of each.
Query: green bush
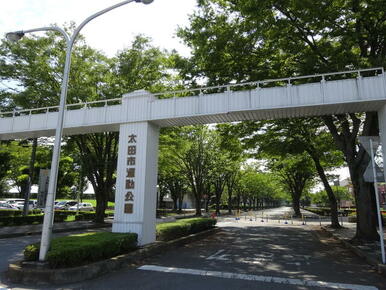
column 323, row 211
column 88, row 215
column 76, row 250
column 27, row 220
column 10, row 212
column 16, row 212
column 65, row 213
column 85, row 216
column 184, row 227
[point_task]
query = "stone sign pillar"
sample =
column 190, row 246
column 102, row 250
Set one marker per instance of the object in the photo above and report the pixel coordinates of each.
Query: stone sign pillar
column 136, row 193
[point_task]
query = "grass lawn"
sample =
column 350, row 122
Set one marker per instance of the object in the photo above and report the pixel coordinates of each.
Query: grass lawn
column 70, row 218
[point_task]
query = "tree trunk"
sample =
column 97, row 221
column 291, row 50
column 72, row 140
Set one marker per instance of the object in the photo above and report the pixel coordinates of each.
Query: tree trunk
column 357, row 161
column 366, row 210
column 198, row 206
column 101, row 206
column 330, row 193
column 217, row 205
column 174, row 204
column 180, row 201
column 229, row 202
column 296, row 204
column 238, row 199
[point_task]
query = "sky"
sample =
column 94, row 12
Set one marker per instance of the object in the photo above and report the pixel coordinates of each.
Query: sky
column 110, row 32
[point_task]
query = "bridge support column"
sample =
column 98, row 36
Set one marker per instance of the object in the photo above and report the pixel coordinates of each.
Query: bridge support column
column 382, row 134
column 136, row 192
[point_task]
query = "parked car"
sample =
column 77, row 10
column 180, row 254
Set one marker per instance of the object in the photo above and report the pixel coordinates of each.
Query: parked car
column 6, row 205
column 31, row 204
column 13, row 200
column 83, row 206
column 19, row 204
column 65, row 205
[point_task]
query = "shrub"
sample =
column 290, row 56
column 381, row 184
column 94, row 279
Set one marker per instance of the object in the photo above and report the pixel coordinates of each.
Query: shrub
column 16, row 212
column 10, row 212
column 184, row 227
column 27, row 220
column 76, row 250
column 65, row 213
column 88, row 215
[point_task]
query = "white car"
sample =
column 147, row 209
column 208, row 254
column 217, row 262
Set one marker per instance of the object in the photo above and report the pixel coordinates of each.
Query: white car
column 83, row 206
column 6, row 205
column 31, row 204
column 19, row 204
column 13, row 201
column 65, row 204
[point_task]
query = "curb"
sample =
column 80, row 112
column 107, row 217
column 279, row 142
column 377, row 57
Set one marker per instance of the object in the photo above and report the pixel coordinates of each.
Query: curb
column 381, row 269
column 83, row 227
column 17, row 273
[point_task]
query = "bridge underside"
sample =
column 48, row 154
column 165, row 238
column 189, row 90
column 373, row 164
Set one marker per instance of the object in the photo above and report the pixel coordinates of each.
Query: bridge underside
column 261, row 114
column 277, row 113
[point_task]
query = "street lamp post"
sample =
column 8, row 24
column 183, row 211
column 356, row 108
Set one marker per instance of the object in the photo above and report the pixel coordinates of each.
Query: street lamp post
column 70, row 40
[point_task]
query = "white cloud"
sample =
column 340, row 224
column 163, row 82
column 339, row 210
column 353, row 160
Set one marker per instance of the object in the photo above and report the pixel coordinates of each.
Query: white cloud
column 110, row 32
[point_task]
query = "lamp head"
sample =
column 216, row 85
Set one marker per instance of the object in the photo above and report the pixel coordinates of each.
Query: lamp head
column 144, row 1
column 14, row 36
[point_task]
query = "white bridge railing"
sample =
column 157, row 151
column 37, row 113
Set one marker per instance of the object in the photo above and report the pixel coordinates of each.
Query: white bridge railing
column 212, row 89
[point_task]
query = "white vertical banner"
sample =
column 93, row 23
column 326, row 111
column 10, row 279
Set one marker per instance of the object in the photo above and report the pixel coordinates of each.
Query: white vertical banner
column 374, row 174
column 379, row 214
column 136, row 192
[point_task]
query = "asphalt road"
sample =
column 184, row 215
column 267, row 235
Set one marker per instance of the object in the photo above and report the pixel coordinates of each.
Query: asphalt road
column 247, row 255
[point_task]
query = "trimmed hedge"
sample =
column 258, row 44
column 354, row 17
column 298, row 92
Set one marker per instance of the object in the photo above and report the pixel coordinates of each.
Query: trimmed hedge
column 90, row 215
column 326, row 211
column 27, row 220
column 87, row 216
column 185, row 227
column 16, row 212
column 352, row 218
column 77, row 250
column 65, row 213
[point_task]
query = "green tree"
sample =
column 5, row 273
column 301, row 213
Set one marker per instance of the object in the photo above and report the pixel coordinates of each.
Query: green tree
column 194, row 148
column 251, row 40
column 303, row 135
column 171, row 178
column 296, row 173
column 321, row 197
column 229, row 164
column 34, row 66
column 256, row 188
column 5, row 166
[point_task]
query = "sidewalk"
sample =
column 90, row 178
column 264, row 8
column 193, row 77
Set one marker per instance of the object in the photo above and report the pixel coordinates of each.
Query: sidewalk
column 17, row 231
column 371, row 252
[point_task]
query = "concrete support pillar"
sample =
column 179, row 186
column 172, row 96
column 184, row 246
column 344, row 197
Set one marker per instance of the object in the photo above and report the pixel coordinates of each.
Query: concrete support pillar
column 382, row 134
column 135, row 197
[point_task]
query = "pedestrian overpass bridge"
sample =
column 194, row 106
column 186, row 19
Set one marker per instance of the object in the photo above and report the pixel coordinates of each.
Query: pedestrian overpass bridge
column 139, row 115
column 315, row 95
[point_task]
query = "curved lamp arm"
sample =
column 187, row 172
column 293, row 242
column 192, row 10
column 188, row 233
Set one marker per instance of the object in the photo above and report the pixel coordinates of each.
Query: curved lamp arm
column 17, row 35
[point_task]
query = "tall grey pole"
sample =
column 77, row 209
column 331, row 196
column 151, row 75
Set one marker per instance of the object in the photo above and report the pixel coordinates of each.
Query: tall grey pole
column 52, row 186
